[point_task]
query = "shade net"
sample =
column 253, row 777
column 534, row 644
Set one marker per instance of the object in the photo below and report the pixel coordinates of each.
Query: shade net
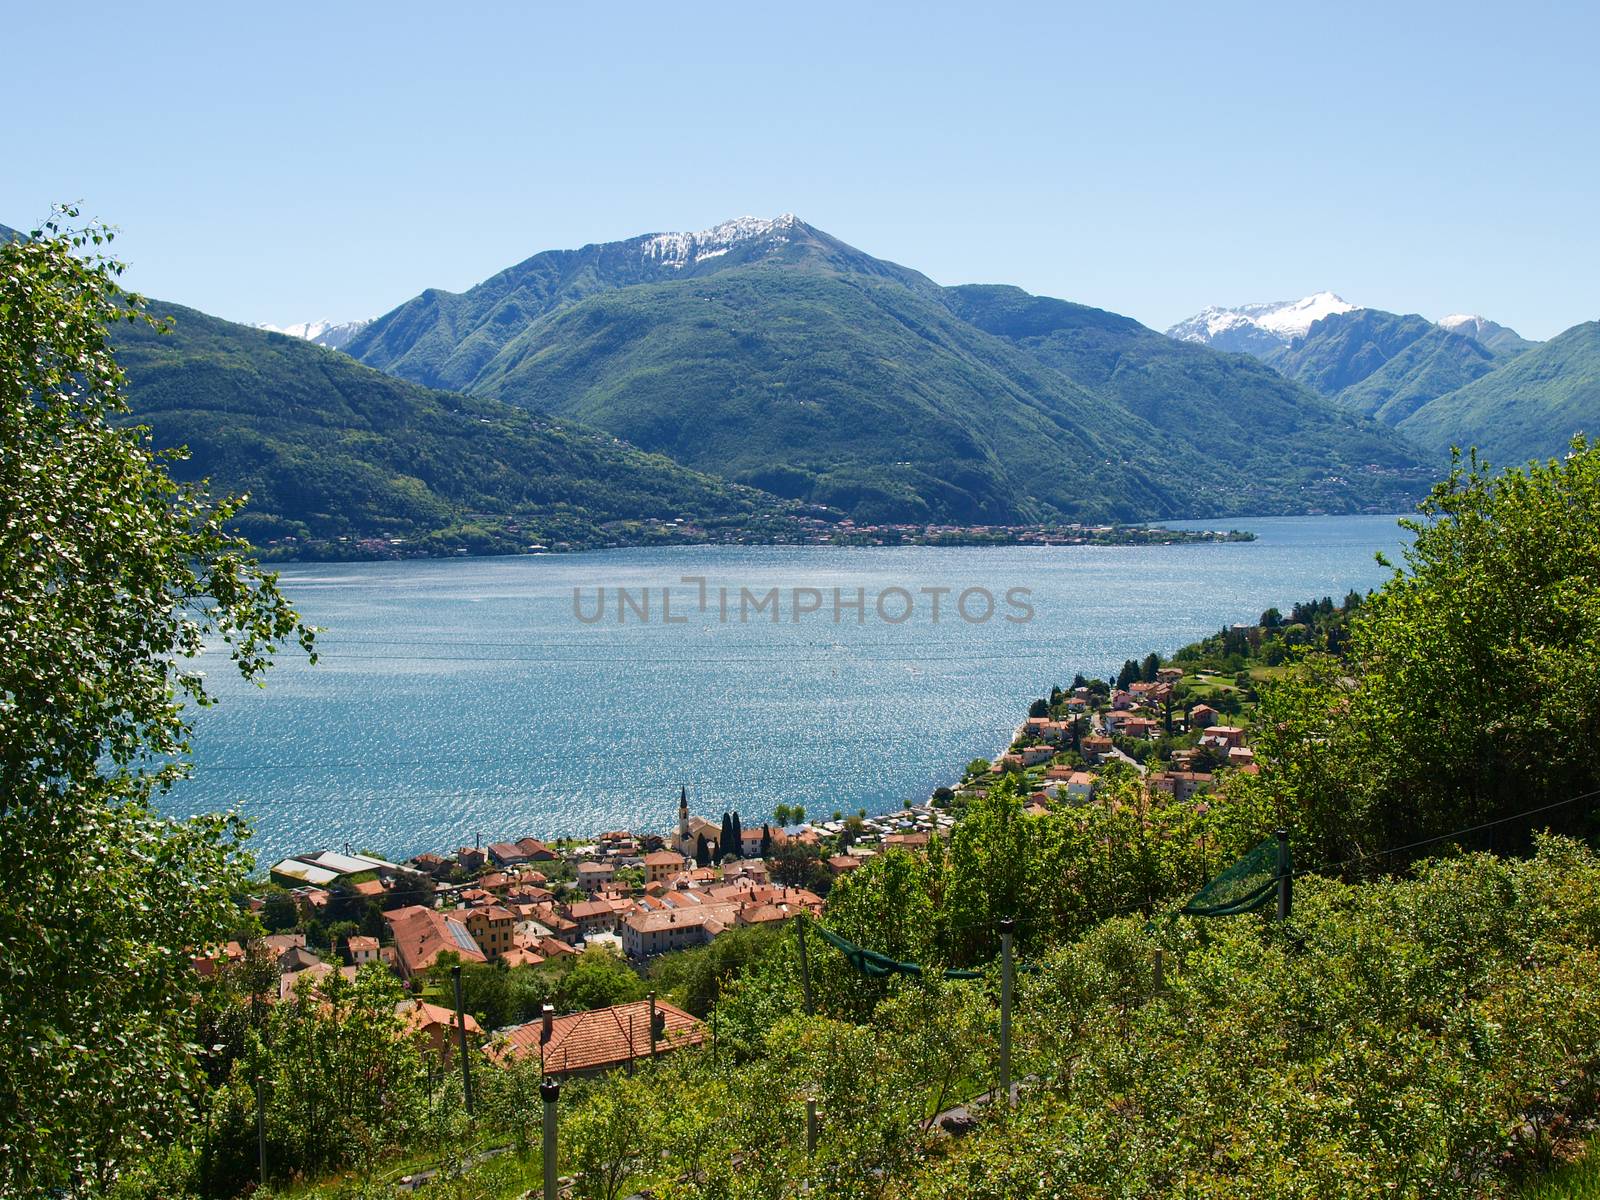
column 1249, row 884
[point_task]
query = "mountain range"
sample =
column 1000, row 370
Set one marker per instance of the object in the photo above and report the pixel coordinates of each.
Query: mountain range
column 772, row 353
column 761, row 370
column 1461, row 381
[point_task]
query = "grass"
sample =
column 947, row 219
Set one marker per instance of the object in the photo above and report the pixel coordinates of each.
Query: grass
column 1578, row 1180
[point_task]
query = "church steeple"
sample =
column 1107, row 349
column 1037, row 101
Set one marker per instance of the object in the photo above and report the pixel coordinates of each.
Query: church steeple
column 683, row 816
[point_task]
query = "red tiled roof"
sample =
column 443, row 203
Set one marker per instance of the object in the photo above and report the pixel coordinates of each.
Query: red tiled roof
column 421, row 935
column 600, row 1038
column 419, row 1015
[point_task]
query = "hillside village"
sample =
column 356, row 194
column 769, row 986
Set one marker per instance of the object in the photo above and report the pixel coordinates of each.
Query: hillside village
column 1181, row 729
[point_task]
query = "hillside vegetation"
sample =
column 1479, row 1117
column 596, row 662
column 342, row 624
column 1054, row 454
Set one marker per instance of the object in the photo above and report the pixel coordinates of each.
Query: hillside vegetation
column 1528, row 408
column 334, row 454
column 1481, row 386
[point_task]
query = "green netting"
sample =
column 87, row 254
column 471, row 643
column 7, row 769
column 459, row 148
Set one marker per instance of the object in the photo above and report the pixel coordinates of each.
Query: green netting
column 875, row 966
column 1244, row 887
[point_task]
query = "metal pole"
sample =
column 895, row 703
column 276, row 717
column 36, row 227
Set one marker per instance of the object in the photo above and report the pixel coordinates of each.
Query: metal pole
column 1161, row 970
column 652, row 998
column 261, row 1129
column 461, row 1040
column 1285, row 876
column 1006, row 928
column 550, row 1092
column 811, row 1125
column 713, row 1035
column 805, row 963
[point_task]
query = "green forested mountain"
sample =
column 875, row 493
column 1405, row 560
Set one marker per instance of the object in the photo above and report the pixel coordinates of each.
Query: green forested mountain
column 1530, row 407
column 1372, row 360
column 770, row 352
column 1433, row 364
column 334, row 453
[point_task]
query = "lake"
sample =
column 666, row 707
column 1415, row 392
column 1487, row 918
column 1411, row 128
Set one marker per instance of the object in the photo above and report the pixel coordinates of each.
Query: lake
column 467, row 698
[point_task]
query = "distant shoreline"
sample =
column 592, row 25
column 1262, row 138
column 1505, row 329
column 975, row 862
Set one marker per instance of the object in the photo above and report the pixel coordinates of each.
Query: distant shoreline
column 850, row 537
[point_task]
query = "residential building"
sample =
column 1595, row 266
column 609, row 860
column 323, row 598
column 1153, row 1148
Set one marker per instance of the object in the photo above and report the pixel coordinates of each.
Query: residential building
column 593, row 876
column 588, row 1043
column 593, row 917
column 646, row 934
column 422, row 934
column 493, row 927
column 437, row 1026
column 661, row 866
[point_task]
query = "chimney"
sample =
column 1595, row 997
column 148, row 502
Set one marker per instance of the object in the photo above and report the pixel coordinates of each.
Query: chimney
column 547, row 1020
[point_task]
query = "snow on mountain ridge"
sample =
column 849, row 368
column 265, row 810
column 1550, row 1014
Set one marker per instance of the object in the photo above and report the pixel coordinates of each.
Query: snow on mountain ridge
column 333, row 334
column 1258, row 328
column 679, row 250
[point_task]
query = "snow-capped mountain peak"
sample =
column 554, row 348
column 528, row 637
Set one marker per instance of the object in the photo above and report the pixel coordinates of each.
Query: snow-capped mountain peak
column 333, row 334
column 679, row 250
column 1259, row 328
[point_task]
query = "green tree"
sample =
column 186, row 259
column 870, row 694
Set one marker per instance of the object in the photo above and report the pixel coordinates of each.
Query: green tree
column 112, row 578
column 614, row 1136
column 1470, row 686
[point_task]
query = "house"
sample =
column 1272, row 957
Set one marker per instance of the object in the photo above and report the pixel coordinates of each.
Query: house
column 1169, row 674
column 471, row 858
column 1081, row 787
column 1139, row 727
column 843, row 864
column 507, row 854
column 593, row 917
column 662, row 865
column 753, row 869
column 422, row 934
column 1032, row 756
column 1181, row 785
column 1047, row 730
column 437, row 1026
column 1096, row 747
column 289, row 982
column 493, row 927
column 1202, row 716
column 1223, row 736
column 646, row 934
column 534, row 850
column 362, row 950
column 432, row 865
column 588, row 1043
column 1241, row 756
column 593, row 876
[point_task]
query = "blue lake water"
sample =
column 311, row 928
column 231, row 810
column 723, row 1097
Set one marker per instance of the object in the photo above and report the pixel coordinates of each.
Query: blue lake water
column 465, row 697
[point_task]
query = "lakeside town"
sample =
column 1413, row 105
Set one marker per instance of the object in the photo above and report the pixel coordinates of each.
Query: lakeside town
column 803, row 529
column 1179, row 730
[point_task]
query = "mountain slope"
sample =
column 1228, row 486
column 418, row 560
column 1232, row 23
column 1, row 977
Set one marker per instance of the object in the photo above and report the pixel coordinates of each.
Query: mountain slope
column 1435, row 363
column 334, row 453
column 1241, row 415
column 1529, row 408
column 1382, row 364
column 772, row 352
column 1258, row 329
column 1491, row 335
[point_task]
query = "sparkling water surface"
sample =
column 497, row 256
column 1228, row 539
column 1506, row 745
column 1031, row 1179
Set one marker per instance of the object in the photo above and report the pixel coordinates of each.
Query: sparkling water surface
column 459, row 698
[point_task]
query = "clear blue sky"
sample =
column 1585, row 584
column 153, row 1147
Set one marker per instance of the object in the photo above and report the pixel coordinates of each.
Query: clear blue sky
column 290, row 162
